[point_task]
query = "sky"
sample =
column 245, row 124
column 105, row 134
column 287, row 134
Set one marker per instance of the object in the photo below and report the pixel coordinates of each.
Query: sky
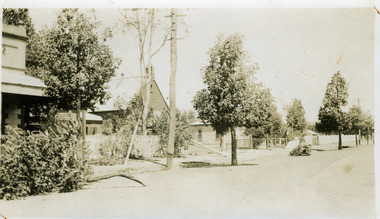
column 297, row 49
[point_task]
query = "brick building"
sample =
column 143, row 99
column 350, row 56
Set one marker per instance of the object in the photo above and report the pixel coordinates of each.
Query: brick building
column 19, row 91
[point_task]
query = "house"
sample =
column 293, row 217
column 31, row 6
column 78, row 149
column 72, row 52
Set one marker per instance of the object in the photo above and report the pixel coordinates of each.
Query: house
column 126, row 88
column 19, row 92
column 205, row 134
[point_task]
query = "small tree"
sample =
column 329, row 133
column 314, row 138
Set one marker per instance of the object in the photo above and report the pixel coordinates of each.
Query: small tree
column 355, row 119
column 296, row 116
column 331, row 116
column 228, row 98
column 264, row 119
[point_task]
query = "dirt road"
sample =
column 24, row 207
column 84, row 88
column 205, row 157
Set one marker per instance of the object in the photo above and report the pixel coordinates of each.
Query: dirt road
column 329, row 183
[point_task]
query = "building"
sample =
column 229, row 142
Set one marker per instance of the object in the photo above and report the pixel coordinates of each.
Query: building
column 205, row 134
column 19, row 92
column 125, row 88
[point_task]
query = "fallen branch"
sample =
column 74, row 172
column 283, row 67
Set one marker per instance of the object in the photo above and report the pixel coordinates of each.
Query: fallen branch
column 110, row 175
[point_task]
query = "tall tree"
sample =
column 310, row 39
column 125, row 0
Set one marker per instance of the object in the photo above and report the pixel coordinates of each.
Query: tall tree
column 144, row 26
column 78, row 61
column 296, row 116
column 331, row 116
column 226, row 101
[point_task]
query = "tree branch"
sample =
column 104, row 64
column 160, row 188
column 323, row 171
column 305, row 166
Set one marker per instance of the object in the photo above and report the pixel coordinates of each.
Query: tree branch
column 163, row 43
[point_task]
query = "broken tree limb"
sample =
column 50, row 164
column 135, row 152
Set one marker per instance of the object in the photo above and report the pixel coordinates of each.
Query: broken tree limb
column 110, row 175
column 207, row 148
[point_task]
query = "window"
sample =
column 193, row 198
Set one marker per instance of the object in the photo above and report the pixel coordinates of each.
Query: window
column 199, row 134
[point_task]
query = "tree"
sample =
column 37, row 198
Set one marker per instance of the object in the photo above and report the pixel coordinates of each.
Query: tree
column 19, row 17
column 143, row 24
column 296, row 116
column 355, row 119
column 78, row 61
column 228, row 98
column 183, row 135
column 331, row 116
column 265, row 120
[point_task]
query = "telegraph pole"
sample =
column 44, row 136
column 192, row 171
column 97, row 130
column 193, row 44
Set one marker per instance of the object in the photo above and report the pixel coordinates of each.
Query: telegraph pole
column 173, row 61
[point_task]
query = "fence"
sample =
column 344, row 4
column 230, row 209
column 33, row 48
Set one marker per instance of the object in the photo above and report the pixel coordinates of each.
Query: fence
column 144, row 146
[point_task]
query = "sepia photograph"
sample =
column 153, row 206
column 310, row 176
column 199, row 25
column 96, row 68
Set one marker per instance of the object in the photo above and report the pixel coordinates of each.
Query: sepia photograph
column 189, row 109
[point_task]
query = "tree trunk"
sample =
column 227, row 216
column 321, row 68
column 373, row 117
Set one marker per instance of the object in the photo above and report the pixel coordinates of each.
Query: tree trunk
column 267, row 141
column 360, row 136
column 233, row 147
column 340, row 140
column 149, row 77
column 222, row 143
column 356, row 139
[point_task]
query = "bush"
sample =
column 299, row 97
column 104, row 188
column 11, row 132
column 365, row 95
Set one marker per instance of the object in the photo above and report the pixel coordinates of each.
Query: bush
column 301, row 150
column 38, row 163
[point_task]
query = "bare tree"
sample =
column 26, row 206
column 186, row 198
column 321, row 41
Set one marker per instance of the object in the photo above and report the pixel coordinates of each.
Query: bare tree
column 143, row 25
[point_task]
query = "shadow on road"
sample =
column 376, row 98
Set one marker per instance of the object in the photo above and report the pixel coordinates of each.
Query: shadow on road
column 201, row 164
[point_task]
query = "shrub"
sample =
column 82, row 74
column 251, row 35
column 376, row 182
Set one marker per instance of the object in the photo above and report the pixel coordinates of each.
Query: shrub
column 301, row 150
column 38, row 163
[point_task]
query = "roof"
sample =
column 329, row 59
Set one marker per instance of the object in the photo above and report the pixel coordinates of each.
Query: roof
column 92, row 117
column 17, row 82
column 22, row 79
column 310, row 132
column 199, row 123
column 127, row 87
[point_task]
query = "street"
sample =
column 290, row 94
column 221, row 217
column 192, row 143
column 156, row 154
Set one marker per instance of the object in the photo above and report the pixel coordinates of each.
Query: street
column 267, row 183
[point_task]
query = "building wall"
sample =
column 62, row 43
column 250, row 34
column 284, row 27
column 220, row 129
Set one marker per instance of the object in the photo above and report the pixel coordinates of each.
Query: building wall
column 12, row 111
column 13, row 47
column 206, row 135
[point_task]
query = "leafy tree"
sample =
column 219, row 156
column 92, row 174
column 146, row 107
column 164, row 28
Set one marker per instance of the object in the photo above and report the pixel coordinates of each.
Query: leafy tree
column 19, row 17
column 265, row 120
column 296, row 116
column 183, row 135
column 78, row 61
column 229, row 96
column 355, row 119
column 368, row 125
column 331, row 116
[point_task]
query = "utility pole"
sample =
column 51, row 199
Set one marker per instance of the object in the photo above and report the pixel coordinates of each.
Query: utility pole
column 173, row 61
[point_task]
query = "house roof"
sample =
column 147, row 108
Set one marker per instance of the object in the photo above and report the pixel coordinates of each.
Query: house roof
column 22, row 79
column 17, row 82
column 127, row 87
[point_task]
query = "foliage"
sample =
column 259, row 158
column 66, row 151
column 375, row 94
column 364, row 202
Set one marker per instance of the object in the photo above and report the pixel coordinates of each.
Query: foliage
column 106, row 161
column 228, row 98
column 301, row 150
column 183, row 135
column 42, row 162
column 121, row 124
column 296, row 116
column 331, row 116
column 76, row 61
column 19, row 17
column 263, row 113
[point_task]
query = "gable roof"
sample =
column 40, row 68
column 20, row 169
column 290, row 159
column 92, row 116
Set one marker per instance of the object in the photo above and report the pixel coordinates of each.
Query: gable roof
column 127, row 87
